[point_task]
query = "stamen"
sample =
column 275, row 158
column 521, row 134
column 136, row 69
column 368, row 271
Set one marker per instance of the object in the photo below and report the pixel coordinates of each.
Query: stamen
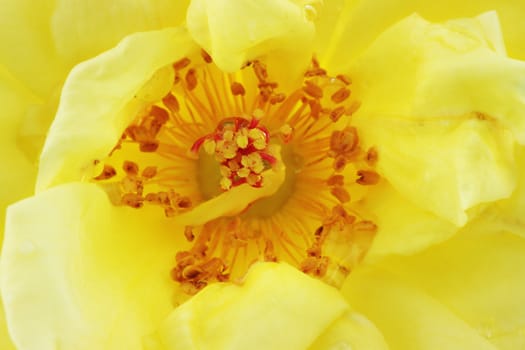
column 340, row 95
column 214, row 132
column 341, row 194
column 191, row 79
column 107, row 173
column 237, row 89
column 367, row 177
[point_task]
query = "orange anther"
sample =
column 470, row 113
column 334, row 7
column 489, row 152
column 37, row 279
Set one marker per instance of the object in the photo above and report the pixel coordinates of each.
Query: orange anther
column 132, row 200
column 188, row 233
column 130, row 168
column 344, row 78
column 107, row 173
column 191, row 79
column 182, row 63
column 367, row 177
column 149, row 172
column 340, row 95
column 313, row 90
column 237, row 89
column 206, row 56
column 336, row 180
column 353, row 108
column 371, row 156
column 184, row 202
column 341, row 194
column 337, row 113
column 260, row 71
column 171, row 103
column 149, row 146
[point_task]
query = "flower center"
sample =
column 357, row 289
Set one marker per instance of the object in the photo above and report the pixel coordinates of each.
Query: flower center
column 252, row 173
column 240, row 146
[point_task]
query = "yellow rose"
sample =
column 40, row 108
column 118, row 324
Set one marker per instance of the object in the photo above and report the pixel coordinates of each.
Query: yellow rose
column 437, row 111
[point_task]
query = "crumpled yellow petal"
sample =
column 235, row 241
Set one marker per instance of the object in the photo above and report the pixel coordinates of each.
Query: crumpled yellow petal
column 445, row 158
column 346, row 28
column 40, row 42
column 407, row 317
column 79, row 273
column 479, row 275
column 234, row 32
column 275, row 307
column 350, row 331
column 508, row 214
column 82, row 29
column 402, row 227
column 19, row 174
column 102, row 96
column 26, row 45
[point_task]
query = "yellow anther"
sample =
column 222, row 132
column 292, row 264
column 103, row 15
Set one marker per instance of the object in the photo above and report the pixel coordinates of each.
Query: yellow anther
column 209, row 146
column 254, row 162
column 258, row 113
column 227, row 149
column 286, row 130
column 244, row 172
column 242, row 141
column 225, row 171
column 259, row 138
column 226, row 183
column 256, row 134
column 228, row 135
column 253, row 179
column 259, row 144
column 234, row 165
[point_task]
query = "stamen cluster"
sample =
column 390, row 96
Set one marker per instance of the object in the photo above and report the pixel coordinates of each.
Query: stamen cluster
column 232, row 121
column 240, row 147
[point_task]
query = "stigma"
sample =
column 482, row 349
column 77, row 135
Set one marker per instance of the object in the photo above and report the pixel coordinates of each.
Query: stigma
column 220, row 138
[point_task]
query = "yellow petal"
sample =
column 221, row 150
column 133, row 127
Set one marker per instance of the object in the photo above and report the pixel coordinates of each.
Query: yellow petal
column 40, row 42
column 5, row 340
column 79, row 273
column 276, row 307
column 506, row 214
column 26, row 44
column 234, row 32
column 408, row 317
column 402, row 227
column 445, row 158
column 350, row 331
column 18, row 173
column 82, row 29
column 353, row 25
column 479, row 275
column 101, row 97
